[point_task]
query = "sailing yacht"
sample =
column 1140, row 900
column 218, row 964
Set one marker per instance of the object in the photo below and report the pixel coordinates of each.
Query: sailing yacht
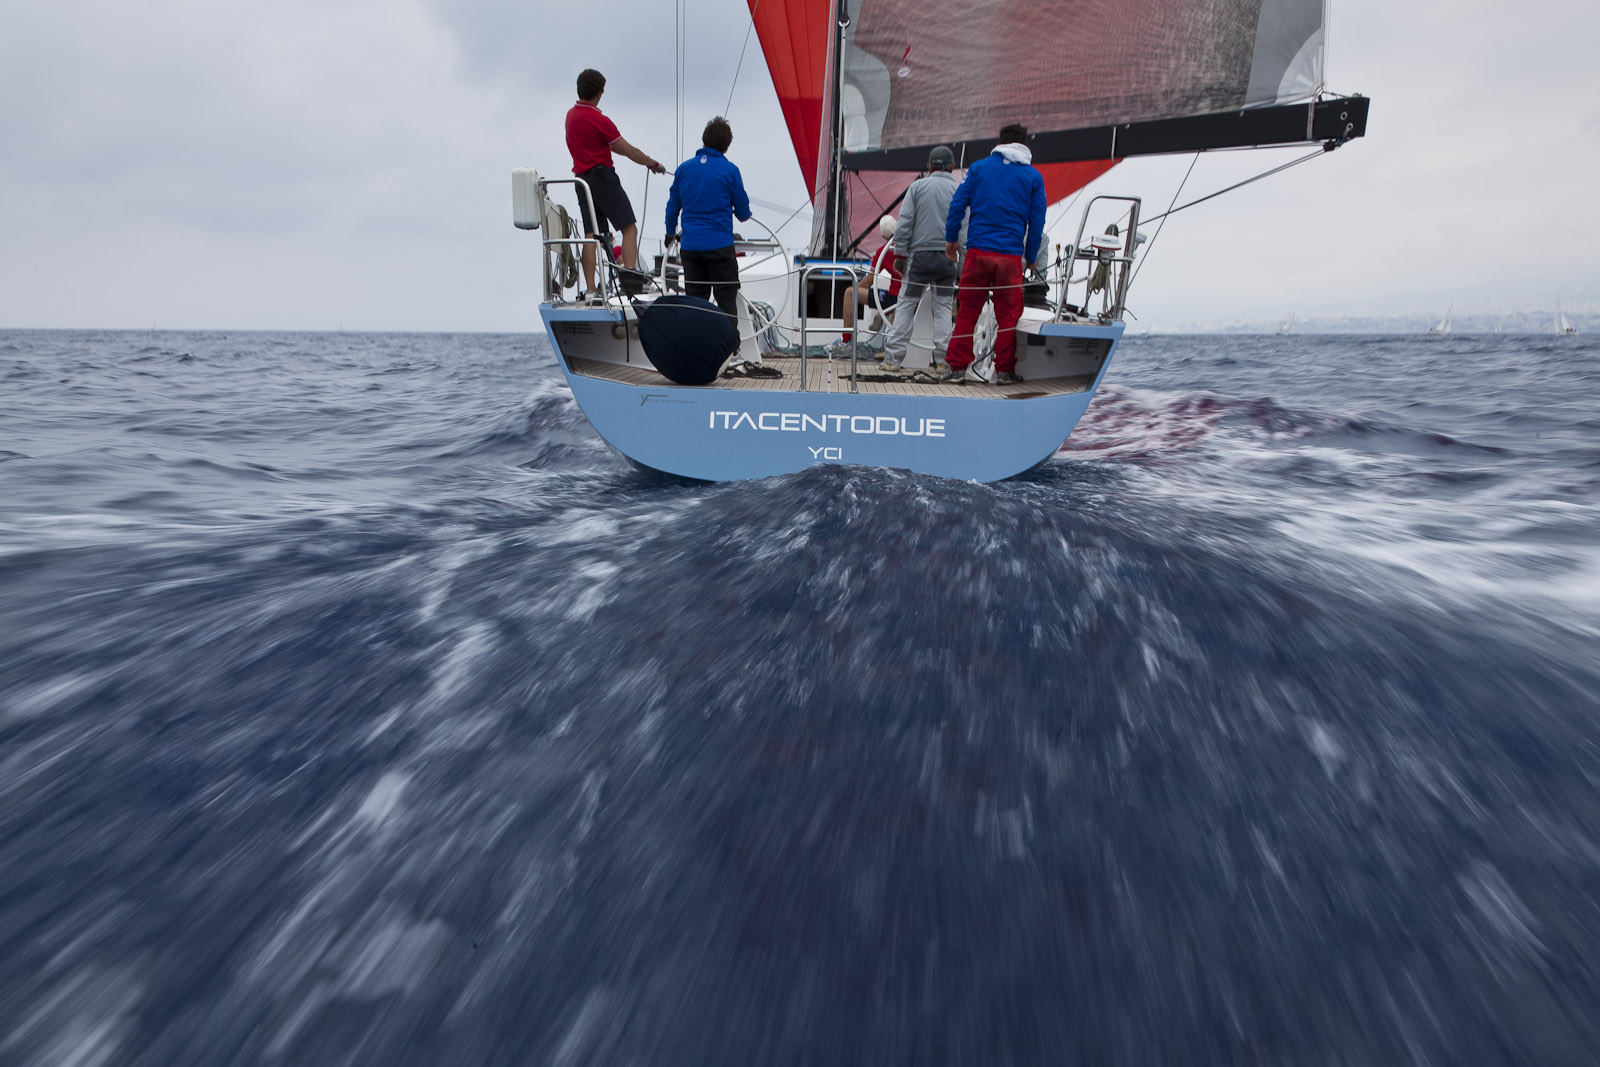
column 867, row 88
column 1563, row 324
column 1445, row 324
column 1288, row 324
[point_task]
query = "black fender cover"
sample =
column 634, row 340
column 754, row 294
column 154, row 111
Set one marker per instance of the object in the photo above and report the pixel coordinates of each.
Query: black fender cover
column 687, row 339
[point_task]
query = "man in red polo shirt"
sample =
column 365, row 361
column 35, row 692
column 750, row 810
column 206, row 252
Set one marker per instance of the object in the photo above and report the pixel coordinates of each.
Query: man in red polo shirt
column 591, row 138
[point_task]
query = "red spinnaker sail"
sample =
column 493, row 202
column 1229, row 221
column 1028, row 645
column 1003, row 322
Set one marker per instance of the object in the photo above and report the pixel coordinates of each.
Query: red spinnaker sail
column 1061, row 180
column 794, row 38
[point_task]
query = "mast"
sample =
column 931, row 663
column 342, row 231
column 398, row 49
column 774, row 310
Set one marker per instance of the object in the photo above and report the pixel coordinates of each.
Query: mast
column 833, row 241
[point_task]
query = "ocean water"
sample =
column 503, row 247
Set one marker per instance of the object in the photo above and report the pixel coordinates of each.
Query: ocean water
column 359, row 706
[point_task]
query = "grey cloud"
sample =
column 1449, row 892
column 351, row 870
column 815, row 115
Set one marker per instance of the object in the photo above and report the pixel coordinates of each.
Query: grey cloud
column 314, row 161
column 540, row 47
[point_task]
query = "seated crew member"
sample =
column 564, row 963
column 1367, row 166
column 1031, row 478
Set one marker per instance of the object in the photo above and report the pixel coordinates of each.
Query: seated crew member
column 860, row 294
column 591, row 138
column 709, row 192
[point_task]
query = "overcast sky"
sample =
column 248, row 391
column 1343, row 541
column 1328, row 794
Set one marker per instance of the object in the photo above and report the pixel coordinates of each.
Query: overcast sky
column 317, row 164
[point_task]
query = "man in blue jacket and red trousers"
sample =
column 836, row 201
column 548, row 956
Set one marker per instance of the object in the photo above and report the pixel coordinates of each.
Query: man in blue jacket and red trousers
column 1006, row 197
column 709, row 191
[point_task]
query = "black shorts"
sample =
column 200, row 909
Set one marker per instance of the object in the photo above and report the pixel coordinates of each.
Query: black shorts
column 610, row 202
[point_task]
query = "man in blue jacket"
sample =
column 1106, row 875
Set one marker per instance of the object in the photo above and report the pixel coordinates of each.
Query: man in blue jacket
column 709, row 192
column 1006, row 197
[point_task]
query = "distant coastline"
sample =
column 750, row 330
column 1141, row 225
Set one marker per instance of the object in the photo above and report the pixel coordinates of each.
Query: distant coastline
column 1537, row 321
column 1518, row 322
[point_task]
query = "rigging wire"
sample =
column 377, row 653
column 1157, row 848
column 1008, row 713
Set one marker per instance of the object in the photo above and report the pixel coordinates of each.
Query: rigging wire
column 1062, row 209
column 1322, row 151
column 644, row 208
column 683, row 115
column 740, row 65
column 879, row 210
column 684, row 64
column 771, row 205
column 792, row 215
column 1237, row 185
column 680, row 50
column 677, row 80
column 1162, row 218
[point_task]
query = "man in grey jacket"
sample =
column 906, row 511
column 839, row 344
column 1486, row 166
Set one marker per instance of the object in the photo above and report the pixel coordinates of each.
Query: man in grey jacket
column 920, row 255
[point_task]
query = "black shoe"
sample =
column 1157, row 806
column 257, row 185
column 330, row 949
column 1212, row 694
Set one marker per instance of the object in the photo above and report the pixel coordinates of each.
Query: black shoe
column 954, row 377
column 1007, row 377
column 632, row 282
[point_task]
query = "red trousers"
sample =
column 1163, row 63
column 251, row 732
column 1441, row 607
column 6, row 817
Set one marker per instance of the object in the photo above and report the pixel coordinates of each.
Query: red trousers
column 982, row 274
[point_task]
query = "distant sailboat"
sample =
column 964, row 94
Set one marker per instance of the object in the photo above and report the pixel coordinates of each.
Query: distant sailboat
column 1563, row 324
column 1288, row 325
column 1444, row 326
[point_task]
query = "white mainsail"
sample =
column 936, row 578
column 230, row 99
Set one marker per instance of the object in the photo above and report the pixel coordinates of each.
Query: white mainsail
column 1563, row 324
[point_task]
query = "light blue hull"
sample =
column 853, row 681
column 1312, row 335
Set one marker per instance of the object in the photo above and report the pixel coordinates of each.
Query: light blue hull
column 726, row 434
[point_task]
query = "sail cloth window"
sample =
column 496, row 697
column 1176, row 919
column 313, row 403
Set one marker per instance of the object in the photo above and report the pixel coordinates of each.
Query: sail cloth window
column 1081, row 76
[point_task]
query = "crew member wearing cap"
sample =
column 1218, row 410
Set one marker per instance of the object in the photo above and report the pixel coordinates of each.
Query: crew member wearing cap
column 919, row 254
column 591, row 138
